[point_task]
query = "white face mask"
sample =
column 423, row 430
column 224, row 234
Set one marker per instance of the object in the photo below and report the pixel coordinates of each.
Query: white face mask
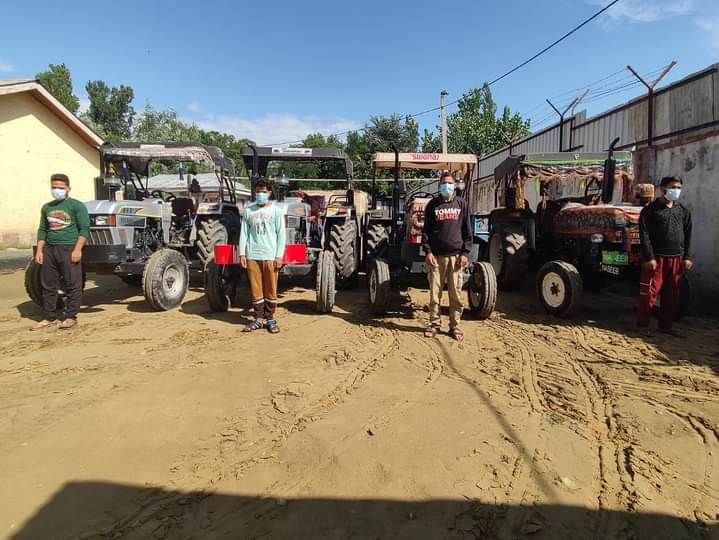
column 58, row 193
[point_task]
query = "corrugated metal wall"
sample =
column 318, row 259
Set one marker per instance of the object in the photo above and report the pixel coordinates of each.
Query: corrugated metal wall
column 685, row 106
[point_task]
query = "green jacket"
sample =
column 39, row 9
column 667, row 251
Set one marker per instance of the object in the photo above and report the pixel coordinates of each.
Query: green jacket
column 61, row 222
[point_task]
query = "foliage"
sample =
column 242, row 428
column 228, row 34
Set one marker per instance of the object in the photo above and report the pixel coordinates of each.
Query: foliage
column 56, row 80
column 111, row 109
column 475, row 128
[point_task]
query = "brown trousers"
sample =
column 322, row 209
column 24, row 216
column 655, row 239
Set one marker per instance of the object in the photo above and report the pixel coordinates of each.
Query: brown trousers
column 449, row 271
column 263, row 286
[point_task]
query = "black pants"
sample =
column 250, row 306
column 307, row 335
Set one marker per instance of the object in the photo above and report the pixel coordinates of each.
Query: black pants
column 56, row 266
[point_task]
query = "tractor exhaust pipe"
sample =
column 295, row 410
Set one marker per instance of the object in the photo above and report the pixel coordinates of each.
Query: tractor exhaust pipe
column 610, row 167
column 255, row 165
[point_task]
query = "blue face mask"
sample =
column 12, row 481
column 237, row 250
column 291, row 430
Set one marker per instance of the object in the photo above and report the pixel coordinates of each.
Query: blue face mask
column 446, row 190
column 673, row 193
column 262, row 197
column 58, row 193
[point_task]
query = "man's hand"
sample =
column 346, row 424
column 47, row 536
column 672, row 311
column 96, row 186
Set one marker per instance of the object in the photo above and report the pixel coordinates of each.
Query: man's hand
column 431, row 260
column 651, row 265
column 243, row 261
column 39, row 258
column 687, row 264
column 278, row 263
column 76, row 256
column 463, row 261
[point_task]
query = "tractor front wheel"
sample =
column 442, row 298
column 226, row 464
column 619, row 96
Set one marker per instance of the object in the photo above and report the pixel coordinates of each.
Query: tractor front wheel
column 325, row 287
column 165, row 279
column 559, row 288
column 482, row 290
column 379, row 285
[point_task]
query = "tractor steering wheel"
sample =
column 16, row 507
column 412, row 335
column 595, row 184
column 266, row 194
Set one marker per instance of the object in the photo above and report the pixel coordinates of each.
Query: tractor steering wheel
column 164, row 195
column 420, row 195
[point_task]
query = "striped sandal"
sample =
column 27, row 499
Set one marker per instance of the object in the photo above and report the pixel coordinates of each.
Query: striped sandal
column 254, row 325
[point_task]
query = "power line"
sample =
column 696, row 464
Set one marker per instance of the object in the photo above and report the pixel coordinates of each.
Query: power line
column 496, row 80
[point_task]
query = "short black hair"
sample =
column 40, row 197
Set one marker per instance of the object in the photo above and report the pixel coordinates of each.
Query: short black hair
column 261, row 182
column 669, row 179
column 60, row 178
column 447, row 174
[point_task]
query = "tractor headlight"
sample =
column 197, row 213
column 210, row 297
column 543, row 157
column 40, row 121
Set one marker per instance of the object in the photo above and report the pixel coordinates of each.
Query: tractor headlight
column 103, row 221
column 596, row 238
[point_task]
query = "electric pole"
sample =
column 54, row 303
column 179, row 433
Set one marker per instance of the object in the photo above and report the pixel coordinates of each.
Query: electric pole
column 443, row 120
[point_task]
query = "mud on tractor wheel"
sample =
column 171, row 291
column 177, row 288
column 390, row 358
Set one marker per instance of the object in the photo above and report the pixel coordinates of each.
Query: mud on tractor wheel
column 325, row 286
column 377, row 237
column 559, row 288
column 165, row 279
column 344, row 244
column 482, row 290
column 508, row 254
column 221, row 285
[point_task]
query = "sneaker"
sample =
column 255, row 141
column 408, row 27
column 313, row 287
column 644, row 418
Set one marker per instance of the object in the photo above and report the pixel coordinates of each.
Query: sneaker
column 254, row 325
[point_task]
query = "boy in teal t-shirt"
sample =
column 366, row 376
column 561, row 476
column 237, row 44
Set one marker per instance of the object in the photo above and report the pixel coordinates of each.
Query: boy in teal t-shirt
column 262, row 249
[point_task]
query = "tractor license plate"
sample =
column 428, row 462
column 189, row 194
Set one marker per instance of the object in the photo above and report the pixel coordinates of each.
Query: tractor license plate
column 615, row 258
column 609, row 269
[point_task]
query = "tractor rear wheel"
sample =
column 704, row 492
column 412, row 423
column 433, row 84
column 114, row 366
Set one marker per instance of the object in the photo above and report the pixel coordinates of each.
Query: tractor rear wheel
column 221, row 282
column 210, row 233
column 33, row 285
column 559, row 288
column 344, row 243
column 325, row 286
column 508, row 254
column 165, row 279
column 482, row 290
column 379, row 285
column 377, row 237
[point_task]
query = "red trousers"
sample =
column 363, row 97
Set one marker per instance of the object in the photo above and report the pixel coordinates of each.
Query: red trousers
column 665, row 280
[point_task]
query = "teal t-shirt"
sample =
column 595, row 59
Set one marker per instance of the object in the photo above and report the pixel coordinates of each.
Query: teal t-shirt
column 263, row 232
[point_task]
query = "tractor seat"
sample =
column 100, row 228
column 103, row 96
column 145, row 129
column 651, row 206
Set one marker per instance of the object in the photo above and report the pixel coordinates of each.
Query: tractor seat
column 182, row 208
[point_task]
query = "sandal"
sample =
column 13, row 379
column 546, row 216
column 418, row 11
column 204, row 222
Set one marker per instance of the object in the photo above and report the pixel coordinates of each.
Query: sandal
column 42, row 325
column 67, row 324
column 272, row 327
column 254, row 325
column 430, row 331
column 457, row 334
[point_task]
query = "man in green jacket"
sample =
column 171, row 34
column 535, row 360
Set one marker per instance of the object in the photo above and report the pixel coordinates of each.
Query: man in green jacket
column 63, row 231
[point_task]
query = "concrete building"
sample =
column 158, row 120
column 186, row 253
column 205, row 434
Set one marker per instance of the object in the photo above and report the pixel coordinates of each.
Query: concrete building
column 38, row 137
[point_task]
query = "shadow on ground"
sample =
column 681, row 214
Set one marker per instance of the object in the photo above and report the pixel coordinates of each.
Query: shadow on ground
column 106, row 510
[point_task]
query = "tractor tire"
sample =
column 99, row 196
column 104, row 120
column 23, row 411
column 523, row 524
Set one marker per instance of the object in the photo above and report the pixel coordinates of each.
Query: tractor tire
column 210, row 233
column 133, row 280
column 508, row 254
column 325, row 286
column 165, row 279
column 379, row 285
column 221, row 283
column 33, row 285
column 559, row 288
column 482, row 290
column 376, row 243
column 344, row 243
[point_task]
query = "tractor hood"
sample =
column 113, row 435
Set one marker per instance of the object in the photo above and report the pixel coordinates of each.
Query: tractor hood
column 146, row 208
column 580, row 220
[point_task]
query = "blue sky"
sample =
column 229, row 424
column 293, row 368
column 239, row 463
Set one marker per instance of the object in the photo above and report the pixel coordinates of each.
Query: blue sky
column 275, row 71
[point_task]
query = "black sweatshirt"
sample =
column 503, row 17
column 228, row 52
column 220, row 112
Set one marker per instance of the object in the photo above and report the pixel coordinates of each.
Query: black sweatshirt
column 447, row 228
column 664, row 231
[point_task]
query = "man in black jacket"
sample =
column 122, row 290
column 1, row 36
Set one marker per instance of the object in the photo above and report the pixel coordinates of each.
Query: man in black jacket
column 665, row 229
column 447, row 241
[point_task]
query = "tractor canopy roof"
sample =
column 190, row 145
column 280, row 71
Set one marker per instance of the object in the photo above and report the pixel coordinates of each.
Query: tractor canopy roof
column 426, row 160
column 554, row 164
column 267, row 154
column 137, row 156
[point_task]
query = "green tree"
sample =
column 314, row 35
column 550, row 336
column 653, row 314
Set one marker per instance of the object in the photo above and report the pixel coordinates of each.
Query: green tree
column 431, row 142
column 111, row 109
column 56, row 80
column 152, row 125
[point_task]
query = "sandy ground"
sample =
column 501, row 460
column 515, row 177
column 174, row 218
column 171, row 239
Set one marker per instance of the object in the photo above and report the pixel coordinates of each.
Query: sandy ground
column 175, row 425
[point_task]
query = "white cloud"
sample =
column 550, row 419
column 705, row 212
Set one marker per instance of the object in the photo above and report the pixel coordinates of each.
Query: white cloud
column 196, row 107
column 275, row 128
column 6, row 68
column 84, row 105
column 710, row 26
column 648, row 10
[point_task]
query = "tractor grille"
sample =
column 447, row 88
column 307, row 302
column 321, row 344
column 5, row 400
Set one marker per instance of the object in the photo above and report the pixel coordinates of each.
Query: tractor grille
column 100, row 237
